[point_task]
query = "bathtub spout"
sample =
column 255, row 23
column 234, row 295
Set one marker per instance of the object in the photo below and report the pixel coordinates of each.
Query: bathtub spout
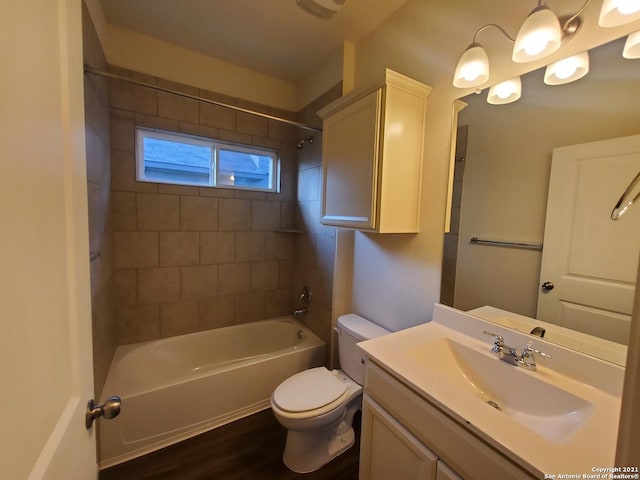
column 298, row 313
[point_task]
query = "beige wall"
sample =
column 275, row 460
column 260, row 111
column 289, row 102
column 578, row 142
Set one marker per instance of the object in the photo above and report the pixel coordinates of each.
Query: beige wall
column 188, row 258
column 399, row 276
column 507, row 171
column 96, row 106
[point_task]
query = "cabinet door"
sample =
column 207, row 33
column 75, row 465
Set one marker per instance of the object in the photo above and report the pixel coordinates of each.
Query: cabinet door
column 350, row 164
column 389, row 451
column 445, row 472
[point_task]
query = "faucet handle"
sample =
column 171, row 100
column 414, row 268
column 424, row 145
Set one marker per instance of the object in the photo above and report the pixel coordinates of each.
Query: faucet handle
column 497, row 339
column 528, row 348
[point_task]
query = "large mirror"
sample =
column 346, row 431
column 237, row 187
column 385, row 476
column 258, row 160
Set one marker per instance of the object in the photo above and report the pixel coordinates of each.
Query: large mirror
column 501, row 191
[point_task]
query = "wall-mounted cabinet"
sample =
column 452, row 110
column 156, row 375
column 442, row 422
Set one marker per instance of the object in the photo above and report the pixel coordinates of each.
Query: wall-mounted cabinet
column 372, row 156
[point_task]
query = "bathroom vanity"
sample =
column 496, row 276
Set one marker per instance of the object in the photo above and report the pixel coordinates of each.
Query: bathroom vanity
column 439, row 405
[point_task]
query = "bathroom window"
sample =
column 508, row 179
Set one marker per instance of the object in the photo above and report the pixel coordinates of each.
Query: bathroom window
column 180, row 159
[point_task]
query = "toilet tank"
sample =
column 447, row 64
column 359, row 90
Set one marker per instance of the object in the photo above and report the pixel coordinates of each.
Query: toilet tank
column 352, row 329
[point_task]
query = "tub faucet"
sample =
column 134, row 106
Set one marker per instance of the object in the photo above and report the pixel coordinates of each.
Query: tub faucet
column 298, row 313
column 305, row 296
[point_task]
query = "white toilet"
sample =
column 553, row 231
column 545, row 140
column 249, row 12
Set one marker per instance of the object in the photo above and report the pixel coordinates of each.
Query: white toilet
column 317, row 405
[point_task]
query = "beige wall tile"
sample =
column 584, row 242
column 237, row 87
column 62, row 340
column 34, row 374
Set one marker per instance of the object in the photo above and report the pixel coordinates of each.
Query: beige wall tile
column 123, row 211
column 123, row 174
column 199, row 281
column 234, row 214
column 250, row 308
column 125, row 287
column 98, row 168
column 235, row 137
column 153, row 121
column 251, row 124
column 326, row 248
column 178, row 189
column 279, row 246
column 198, row 213
column 282, row 131
column 138, row 323
column 157, row 212
column 285, row 274
column 198, row 130
column 178, row 108
column 264, row 276
column 217, row 117
column 250, row 246
column 127, row 96
column 217, row 247
column 250, row 195
column 234, row 278
column 136, row 249
column 277, row 303
column 158, row 285
column 179, row 318
column 288, row 215
column 179, row 248
column 216, row 312
column 217, row 192
column 121, row 130
column 265, row 215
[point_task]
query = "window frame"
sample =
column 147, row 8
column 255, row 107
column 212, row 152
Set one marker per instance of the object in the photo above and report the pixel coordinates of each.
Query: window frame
column 215, row 146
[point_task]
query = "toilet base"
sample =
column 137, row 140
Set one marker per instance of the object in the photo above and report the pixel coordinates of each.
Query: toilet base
column 306, row 452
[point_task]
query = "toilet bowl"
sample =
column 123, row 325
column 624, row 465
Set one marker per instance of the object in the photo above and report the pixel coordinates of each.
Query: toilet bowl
column 317, row 405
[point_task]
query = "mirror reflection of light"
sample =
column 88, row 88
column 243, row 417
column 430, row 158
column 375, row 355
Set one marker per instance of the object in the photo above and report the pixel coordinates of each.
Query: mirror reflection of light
column 565, row 68
column 627, row 7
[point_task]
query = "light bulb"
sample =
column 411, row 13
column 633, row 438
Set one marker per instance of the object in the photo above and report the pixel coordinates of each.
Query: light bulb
column 567, row 70
column 628, row 7
column 618, row 12
column 539, row 36
column 505, row 92
column 473, row 67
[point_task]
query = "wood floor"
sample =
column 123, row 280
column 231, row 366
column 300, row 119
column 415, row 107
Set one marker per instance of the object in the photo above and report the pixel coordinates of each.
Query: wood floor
column 250, row 448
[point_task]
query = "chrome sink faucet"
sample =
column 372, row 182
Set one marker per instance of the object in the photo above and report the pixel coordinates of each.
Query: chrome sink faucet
column 508, row 354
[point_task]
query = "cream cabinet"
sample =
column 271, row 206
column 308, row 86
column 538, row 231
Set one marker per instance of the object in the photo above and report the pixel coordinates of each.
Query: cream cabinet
column 372, row 156
column 405, row 436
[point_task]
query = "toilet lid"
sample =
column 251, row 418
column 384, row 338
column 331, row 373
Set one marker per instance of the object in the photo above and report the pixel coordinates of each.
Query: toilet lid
column 308, row 390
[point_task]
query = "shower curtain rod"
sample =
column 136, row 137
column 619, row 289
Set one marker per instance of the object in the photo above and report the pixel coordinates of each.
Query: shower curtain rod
column 100, row 73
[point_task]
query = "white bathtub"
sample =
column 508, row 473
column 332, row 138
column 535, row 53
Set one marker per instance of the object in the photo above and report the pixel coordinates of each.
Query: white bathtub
column 178, row 387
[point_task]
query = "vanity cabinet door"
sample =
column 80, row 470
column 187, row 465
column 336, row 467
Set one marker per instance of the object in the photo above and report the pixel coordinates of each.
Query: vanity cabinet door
column 389, row 451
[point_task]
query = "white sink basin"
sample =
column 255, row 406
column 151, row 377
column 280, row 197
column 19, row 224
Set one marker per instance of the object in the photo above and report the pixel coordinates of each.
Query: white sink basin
column 544, row 408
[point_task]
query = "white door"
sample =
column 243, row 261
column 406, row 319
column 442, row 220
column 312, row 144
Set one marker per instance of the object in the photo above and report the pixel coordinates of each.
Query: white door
column 589, row 261
column 45, row 327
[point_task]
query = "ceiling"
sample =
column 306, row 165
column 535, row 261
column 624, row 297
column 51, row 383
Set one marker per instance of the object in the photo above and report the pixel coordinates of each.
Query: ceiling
column 275, row 37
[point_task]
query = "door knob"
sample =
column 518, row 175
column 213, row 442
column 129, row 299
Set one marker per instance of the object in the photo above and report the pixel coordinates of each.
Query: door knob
column 547, row 286
column 109, row 409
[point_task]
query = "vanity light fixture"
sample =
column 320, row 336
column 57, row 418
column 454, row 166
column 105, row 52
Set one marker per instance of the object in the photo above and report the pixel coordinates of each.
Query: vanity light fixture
column 505, row 92
column 567, row 70
column 618, row 12
column 540, row 35
column 632, row 46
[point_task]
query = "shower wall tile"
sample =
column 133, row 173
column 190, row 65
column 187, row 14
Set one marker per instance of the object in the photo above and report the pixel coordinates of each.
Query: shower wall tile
column 198, row 213
column 234, row 215
column 136, row 249
column 138, row 323
column 314, row 250
column 217, row 247
column 250, row 246
column 157, row 212
column 158, row 285
column 99, row 199
column 179, row 318
column 216, row 312
column 179, row 248
column 194, row 258
column 200, row 281
column 234, row 278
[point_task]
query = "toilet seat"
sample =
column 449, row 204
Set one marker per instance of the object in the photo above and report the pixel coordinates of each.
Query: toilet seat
column 312, row 392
